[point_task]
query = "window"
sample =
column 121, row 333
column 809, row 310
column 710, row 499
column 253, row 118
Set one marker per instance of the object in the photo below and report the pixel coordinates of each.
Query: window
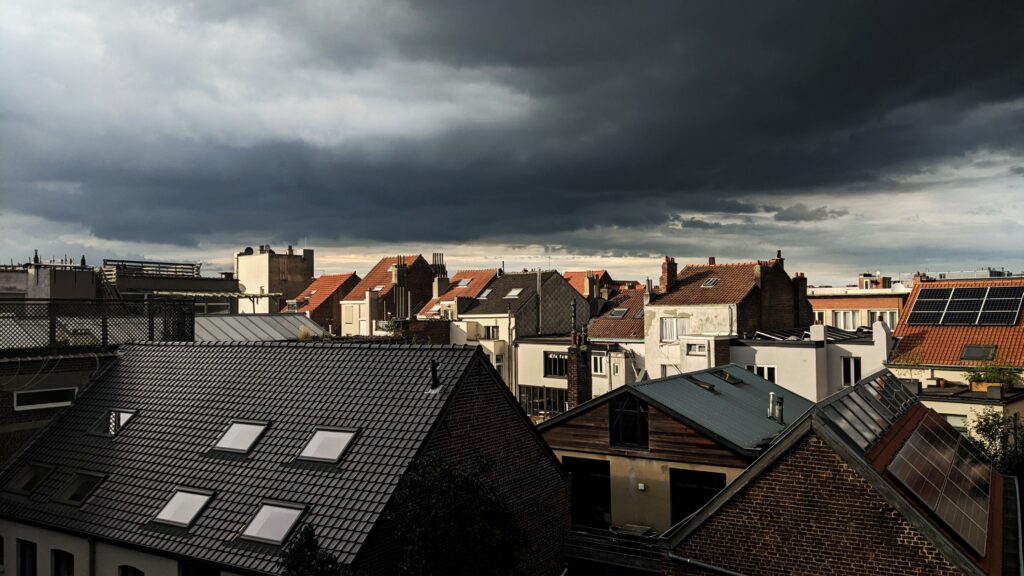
column 434, row 309
column 464, row 282
column 112, row 422
column 555, row 364
column 186, row 568
column 975, row 352
column 490, row 332
column 696, row 349
column 617, row 313
column 272, row 523
column 851, row 370
column 30, row 477
column 27, row 561
column 690, row 490
column 541, row 400
column 627, row 421
column 377, row 288
column 673, row 328
column 125, row 570
column 240, row 436
column 597, row 364
column 499, row 362
column 483, row 295
column 183, row 507
column 766, row 372
column 514, row 293
column 327, row 445
column 79, row 488
column 40, row 399
column 957, row 421
column 844, row 319
column 888, row 316
column 819, row 317
column 62, row 563
column 710, row 283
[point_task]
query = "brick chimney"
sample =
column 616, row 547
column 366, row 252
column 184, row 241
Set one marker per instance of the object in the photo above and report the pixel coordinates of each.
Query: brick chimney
column 440, row 286
column 577, row 372
column 669, row 275
column 711, row 260
column 804, row 314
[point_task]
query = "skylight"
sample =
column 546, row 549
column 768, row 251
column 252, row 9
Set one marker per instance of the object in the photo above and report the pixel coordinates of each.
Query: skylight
column 710, row 283
column 326, row 445
column 618, row 313
column 112, row 422
column 79, row 488
column 435, row 308
column 272, row 523
column 377, row 288
column 182, row 508
column 483, row 295
column 978, row 352
column 30, row 477
column 514, row 293
column 464, row 282
column 240, row 436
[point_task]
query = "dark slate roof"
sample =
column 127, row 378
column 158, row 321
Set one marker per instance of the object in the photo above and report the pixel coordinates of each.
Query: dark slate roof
column 253, row 327
column 186, row 394
column 496, row 303
column 732, row 412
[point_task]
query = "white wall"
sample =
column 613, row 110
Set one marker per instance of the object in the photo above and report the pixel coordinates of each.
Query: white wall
column 470, row 330
column 670, row 358
column 531, row 364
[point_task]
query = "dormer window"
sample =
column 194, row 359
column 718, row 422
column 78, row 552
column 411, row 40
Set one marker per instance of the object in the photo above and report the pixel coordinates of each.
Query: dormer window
column 112, row 422
column 240, row 436
column 710, row 283
column 514, row 293
column 327, row 445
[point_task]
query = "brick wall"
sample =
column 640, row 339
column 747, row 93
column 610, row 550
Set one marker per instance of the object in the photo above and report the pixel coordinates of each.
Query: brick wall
column 579, row 383
column 810, row 514
column 429, row 331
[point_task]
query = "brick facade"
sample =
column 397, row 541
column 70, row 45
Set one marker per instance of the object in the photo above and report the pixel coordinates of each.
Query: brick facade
column 579, row 382
column 811, row 513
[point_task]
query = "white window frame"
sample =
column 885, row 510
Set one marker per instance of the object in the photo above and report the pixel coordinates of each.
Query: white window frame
column 487, row 333
column 598, row 363
column 699, row 349
column 28, row 407
column 890, row 317
column 837, row 314
column 680, row 327
column 819, row 316
column 764, row 371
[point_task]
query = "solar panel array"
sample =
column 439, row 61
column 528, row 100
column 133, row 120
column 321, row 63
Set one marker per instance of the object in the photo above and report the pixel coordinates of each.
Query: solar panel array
column 986, row 305
column 869, row 409
column 938, row 465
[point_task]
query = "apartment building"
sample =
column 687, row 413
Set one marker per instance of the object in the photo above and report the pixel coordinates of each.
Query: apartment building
column 874, row 298
column 394, row 289
column 271, row 279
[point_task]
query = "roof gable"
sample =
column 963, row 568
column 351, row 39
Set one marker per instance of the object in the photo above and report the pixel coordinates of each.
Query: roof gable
column 498, row 300
column 612, row 324
column 321, row 289
column 478, row 280
column 578, row 279
column 381, row 275
column 702, row 284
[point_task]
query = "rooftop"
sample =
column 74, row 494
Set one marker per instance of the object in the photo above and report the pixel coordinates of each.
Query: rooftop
column 254, row 327
column 380, row 278
column 464, row 284
column 622, row 318
column 320, row 290
column 700, row 284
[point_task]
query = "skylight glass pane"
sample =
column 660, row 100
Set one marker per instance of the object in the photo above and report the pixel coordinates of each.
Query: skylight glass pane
column 29, row 479
column 272, row 523
column 326, row 445
column 435, row 308
column 514, row 293
column 484, row 294
column 111, row 423
column 182, row 508
column 618, row 313
column 240, row 436
column 378, row 288
column 80, row 487
column 464, row 282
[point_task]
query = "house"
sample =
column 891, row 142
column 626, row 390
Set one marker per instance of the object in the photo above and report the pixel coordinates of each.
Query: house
column 49, row 280
column 817, row 361
column 512, row 309
column 321, row 300
column 950, row 335
column 875, row 297
column 698, row 310
column 284, row 327
column 868, row 482
column 271, row 278
column 203, row 459
column 616, row 338
column 394, row 289
column 597, row 286
column 448, row 295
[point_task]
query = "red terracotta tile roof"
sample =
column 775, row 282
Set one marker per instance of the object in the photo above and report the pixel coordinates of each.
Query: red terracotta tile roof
column 735, row 281
column 320, row 290
column 628, row 327
column 578, row 279
column 380, row 275
column 943, row 345
column 478, row 280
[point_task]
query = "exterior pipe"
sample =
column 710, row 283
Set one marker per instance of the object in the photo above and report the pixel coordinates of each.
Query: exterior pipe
column 703, row 566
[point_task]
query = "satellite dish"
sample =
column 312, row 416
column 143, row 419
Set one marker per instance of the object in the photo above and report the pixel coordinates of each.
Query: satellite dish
column 248, row 251
column 241, row 288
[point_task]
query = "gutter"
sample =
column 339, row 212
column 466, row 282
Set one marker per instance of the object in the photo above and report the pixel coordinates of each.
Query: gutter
column 703, row 566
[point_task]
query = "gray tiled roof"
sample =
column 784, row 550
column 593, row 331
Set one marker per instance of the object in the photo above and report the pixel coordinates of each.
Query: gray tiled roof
column 496, row 303
column 253, row 327
column 186, row 394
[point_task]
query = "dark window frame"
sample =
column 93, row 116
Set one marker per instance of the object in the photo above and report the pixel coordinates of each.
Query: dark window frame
column 555, row 361
column 628, row 422
column 309, row 438
column 59, row 557
column 64, row 495
column 989, row 349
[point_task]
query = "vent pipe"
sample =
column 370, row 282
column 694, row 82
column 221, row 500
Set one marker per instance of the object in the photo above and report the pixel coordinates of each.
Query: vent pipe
column 778, row 410
column 435, row 382
column 771, row 405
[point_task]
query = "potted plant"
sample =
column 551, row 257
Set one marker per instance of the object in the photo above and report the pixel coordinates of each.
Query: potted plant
column 983, row 376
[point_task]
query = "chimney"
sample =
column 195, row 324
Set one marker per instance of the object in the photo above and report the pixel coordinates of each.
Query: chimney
column 589, row 285
column 577, row 373
column 802, row 310
column 669, row 275
column 778, row 411
column 435, row 382
column 307, row 257
column 780, row 259
column 441, row 285
column 711, row 260
column 771, row 405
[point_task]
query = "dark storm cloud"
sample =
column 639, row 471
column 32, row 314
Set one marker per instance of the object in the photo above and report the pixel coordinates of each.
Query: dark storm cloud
column 635, row 112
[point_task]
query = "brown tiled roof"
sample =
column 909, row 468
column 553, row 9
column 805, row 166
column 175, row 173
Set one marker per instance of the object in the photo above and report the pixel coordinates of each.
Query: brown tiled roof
column 578, row 279
column 380, row 275
column 478, row 280
column 628, row 327
column 855, row 302
column 735, row 281
column 943, row 345
column 320, row 290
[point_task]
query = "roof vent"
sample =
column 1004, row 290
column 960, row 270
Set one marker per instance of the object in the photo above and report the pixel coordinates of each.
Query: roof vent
column 771, row 405
column 435, row 382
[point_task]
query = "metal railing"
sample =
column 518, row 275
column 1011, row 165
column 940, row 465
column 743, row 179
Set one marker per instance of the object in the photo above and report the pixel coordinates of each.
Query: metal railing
column 57, row 325
column 613, row 547
column 146, row 268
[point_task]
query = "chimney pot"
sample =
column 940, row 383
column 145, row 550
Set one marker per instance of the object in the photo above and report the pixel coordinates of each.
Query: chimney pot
column 711, row 260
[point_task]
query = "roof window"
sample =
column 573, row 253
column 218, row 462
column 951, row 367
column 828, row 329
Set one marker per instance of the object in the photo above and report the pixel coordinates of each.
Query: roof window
column 377, row 288
column 183, row 507
column 483, row 295
column 29, row 478
column 112, row 422
column 79, row 488
column 618, row 313
column 272, row 523
column 327, row 445
column 463, row 282
column 514, row 293
column 435, row 308
column 711, row 283
column 977, row 352
column 240, row 436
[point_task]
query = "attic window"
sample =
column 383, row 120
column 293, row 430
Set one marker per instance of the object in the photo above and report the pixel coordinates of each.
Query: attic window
column 79, row 488
column 29, row 478
column 272, row 523
column 710, row 283
column 112, row 422
column 183, row 507
column 311, row 292
column 377, row 288
column 464, row 282
column 240, row 436
column 514, row 293
column 483, row 295
column 617, row 313
column 976, row 352
column 327, row 445
column 434, row 309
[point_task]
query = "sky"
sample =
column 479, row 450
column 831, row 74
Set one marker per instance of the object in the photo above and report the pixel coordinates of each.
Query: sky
column 853, row 135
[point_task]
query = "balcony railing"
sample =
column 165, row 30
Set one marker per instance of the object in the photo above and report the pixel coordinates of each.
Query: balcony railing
column 615, row 547
column 62, row 325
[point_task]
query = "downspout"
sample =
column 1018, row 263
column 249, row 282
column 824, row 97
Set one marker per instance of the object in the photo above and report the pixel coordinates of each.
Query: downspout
column 703, row 566
column 92, row 556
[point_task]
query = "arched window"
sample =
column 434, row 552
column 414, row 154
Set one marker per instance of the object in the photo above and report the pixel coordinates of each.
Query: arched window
column 62, row 562
column 125, row 570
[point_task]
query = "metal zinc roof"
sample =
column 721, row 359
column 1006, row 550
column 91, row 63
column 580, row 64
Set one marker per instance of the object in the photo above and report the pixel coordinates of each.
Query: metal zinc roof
column 736, row 412
column 253, row 327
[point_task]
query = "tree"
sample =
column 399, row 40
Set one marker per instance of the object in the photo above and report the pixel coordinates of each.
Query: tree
column 303, row 556
column 447, row 521
column 1001, row 437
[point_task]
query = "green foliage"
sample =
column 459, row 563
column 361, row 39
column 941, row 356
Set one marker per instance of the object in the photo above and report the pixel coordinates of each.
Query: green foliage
column 449, row 523
column 304, row 557
column 1001, row 437
column 305, row 334
column 994, row 374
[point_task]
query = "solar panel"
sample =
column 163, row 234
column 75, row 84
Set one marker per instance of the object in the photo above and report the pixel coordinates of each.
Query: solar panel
column 938, row 466
column 997, row 305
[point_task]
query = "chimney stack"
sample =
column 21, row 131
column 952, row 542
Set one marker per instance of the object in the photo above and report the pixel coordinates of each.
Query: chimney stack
column 669, row 275
column 711, row 260
column 778, row 411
